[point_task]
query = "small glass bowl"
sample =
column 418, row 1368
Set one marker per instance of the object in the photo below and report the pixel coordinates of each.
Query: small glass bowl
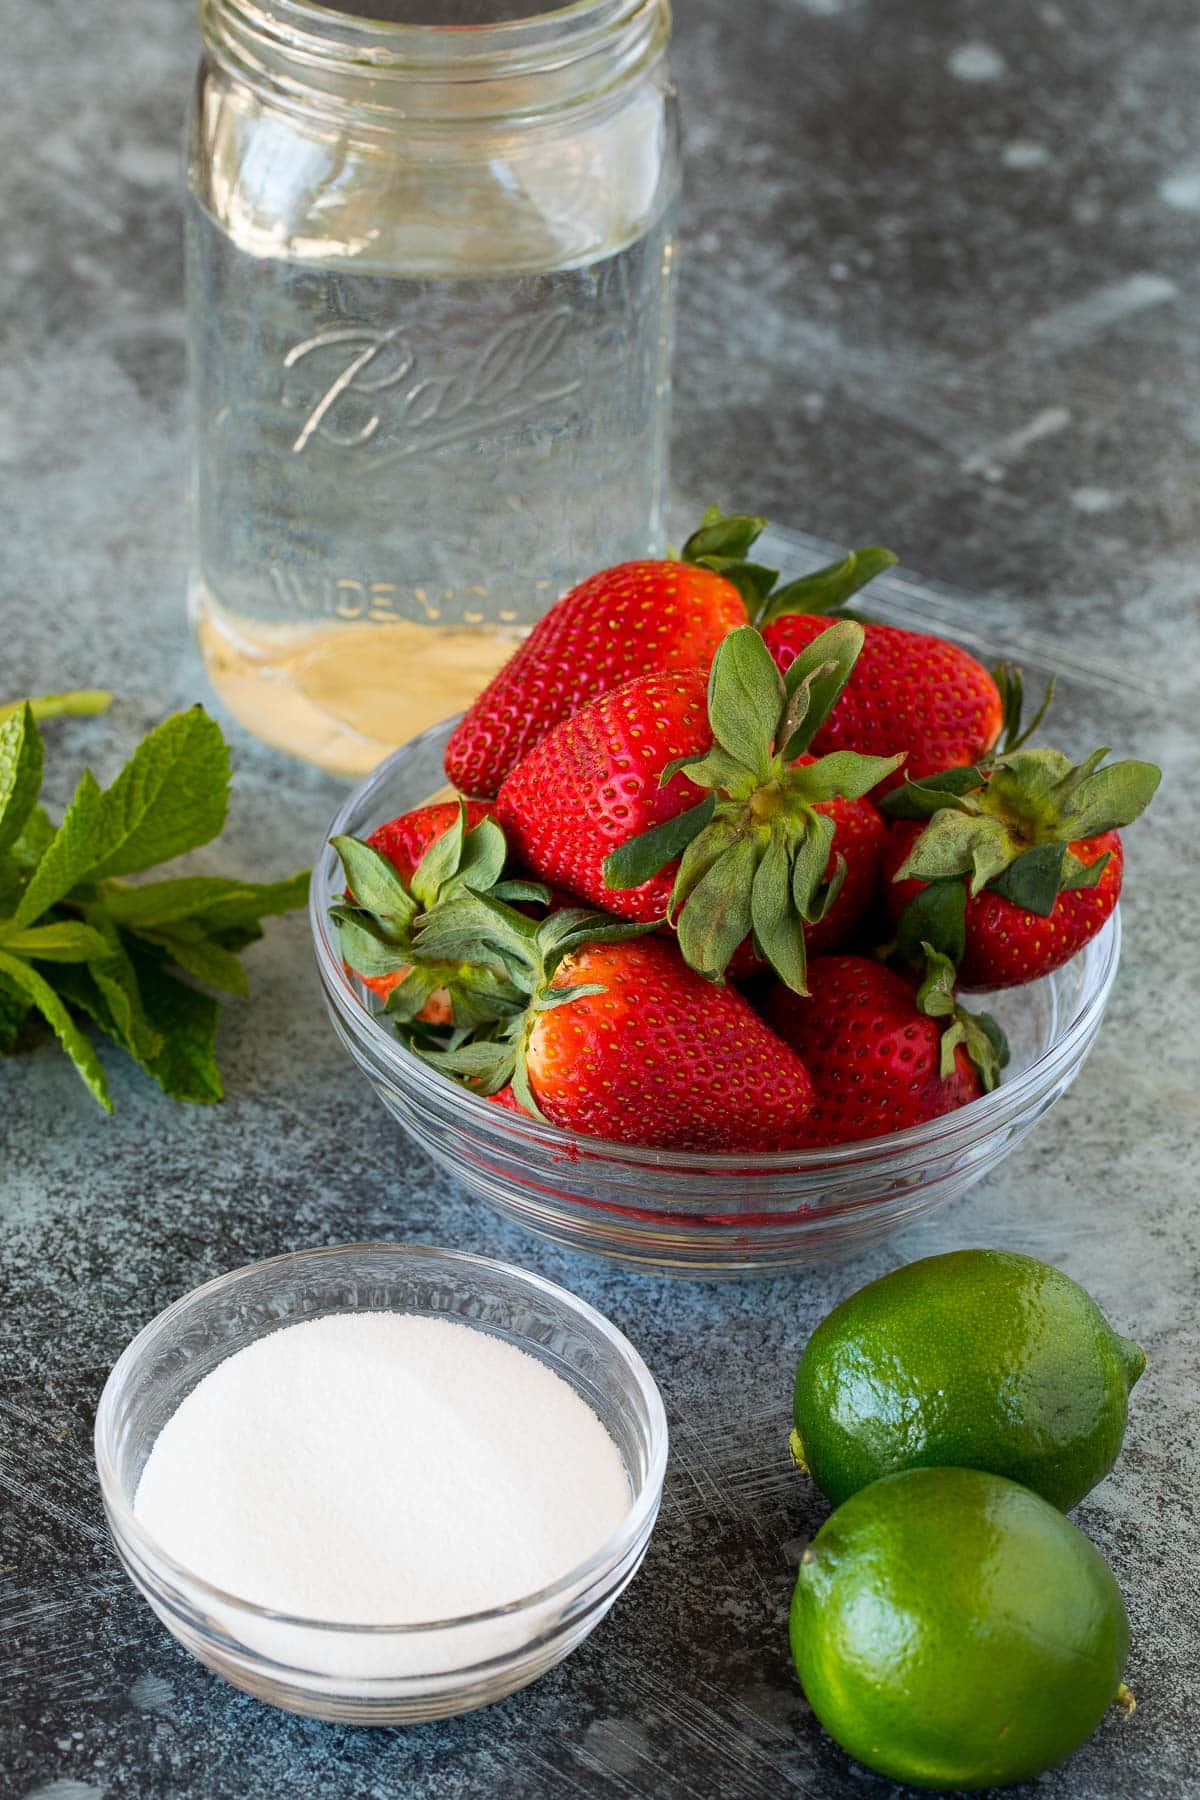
column 378, row 1674
column 681, row 1212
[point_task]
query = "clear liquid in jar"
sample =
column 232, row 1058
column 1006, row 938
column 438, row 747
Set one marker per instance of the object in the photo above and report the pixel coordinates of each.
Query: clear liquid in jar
column 396, row 477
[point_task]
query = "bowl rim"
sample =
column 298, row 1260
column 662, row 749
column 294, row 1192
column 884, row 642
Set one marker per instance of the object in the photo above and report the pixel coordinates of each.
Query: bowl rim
column 128, row 1529
column 1001, row 1105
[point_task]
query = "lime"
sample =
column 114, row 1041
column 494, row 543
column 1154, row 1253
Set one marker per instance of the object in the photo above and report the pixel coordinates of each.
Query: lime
column 953, row 1630
column 978, row 1360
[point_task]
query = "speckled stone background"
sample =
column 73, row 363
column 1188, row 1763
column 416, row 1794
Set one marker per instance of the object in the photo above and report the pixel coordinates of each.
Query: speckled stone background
column 942, row 288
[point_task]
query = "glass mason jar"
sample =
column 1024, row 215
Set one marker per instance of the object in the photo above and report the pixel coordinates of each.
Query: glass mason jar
column 429, row 269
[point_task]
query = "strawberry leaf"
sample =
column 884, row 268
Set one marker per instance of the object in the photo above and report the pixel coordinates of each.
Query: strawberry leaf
column 844, row 772
column 1108, row 798
column 935, row 918
column 726, row 535
column 365, row 943
column 642, row 857
column 745, row 699
column 824, row 590
column 1033, row 881
column 375, row 884
column 1078, row 874
column 778, row 928
column 955, row 843
column 717, row 917
column 921, row 799
column 822, row 669
column 441, row 860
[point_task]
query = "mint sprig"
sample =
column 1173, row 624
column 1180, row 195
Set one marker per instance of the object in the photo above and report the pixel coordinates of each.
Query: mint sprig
column 76, row 937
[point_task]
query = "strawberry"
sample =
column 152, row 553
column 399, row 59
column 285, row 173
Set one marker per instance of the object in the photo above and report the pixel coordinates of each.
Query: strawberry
column 629, row 620
column 404, row 841
column 408, row 869
column 619, row 1039
column 881, row 1057
column 639, row 618
column 1011, row 868
column 716, row 776
column 909, row 692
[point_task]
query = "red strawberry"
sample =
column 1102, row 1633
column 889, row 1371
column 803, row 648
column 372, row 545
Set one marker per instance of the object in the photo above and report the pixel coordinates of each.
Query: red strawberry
column 412, row 866
column 878, row 1063
column 620, row 1039
column 629, row 620
column 1005, row 944
column 909, row 692
column 404, row 842
column 650, row 773
column 1011, row 869
column 640, row 618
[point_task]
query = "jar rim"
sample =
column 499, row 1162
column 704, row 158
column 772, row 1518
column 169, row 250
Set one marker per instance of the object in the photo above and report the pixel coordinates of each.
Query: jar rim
column 310, row 53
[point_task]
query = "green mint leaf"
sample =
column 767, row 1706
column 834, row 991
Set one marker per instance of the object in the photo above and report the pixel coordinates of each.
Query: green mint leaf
column 214, row 903
column 745, row 699
column 63, row 941
column 116, row 981
column 170, row 797
column 77, row 1045
column 21, row 759
column 69, row 855
column 186, row 1020
column 937, row 918
column 204, row 960
column 821, row 670
column 13, row 1012
column 1033, row 881
column 643, row 856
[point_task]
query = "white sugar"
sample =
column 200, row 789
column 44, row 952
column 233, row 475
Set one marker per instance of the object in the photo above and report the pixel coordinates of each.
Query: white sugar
column 380, row 1468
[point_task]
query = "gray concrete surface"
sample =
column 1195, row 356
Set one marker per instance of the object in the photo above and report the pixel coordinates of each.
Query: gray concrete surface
column 941, row 288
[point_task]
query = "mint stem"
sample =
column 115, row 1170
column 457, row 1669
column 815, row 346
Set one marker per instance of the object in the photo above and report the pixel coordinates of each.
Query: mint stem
column 78, row 703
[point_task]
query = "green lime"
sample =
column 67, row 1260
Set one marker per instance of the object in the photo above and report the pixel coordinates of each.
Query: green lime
column 953, row 1630
column 978, row 1360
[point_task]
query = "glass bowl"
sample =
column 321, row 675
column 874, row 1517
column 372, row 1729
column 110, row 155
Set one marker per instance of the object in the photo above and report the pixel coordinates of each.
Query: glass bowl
column 378, row 1674
column 682, row 1212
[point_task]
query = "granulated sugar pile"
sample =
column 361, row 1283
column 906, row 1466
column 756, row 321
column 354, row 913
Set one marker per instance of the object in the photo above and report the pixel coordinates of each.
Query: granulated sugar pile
column 379, row 1468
